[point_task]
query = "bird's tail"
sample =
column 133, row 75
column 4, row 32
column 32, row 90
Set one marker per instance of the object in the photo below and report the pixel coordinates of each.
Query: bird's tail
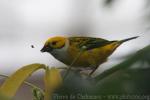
column 124, row 40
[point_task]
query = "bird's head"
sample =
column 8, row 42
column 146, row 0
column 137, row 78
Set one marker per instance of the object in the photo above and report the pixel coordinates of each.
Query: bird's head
column 54, row 43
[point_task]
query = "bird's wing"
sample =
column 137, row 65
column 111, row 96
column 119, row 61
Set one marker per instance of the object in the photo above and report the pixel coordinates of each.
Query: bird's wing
column 88, row 42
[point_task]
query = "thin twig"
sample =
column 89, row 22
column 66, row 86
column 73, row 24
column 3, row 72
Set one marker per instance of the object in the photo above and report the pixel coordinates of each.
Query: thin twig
column 75, row 59
column 62, row 67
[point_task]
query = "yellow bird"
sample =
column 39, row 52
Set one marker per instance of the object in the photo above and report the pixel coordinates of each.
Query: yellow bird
column 94, row 51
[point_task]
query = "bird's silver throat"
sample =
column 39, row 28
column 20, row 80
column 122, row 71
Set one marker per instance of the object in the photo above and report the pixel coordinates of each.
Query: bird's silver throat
column 61, row 54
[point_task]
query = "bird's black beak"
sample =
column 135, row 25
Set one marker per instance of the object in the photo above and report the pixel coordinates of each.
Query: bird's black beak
column 46, row 49
column 43, row 49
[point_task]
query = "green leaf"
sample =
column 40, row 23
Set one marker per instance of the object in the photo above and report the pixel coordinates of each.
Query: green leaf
column 38, row 94
column 11, row 85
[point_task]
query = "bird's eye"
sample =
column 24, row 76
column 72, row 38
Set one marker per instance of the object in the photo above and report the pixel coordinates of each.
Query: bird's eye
column 54, row 43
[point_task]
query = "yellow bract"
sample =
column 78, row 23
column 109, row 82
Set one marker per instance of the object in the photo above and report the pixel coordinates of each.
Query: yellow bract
column 52, row 80
column 11, row 85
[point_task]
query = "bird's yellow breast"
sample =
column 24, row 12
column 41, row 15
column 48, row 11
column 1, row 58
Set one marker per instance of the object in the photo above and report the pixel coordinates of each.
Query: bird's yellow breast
column 92, row 57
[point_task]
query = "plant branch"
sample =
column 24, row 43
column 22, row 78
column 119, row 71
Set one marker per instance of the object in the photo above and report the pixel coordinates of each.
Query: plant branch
column 76, row 58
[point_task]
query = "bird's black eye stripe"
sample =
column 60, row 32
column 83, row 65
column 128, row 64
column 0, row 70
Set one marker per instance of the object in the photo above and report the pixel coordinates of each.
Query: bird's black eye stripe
column 54, row 43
